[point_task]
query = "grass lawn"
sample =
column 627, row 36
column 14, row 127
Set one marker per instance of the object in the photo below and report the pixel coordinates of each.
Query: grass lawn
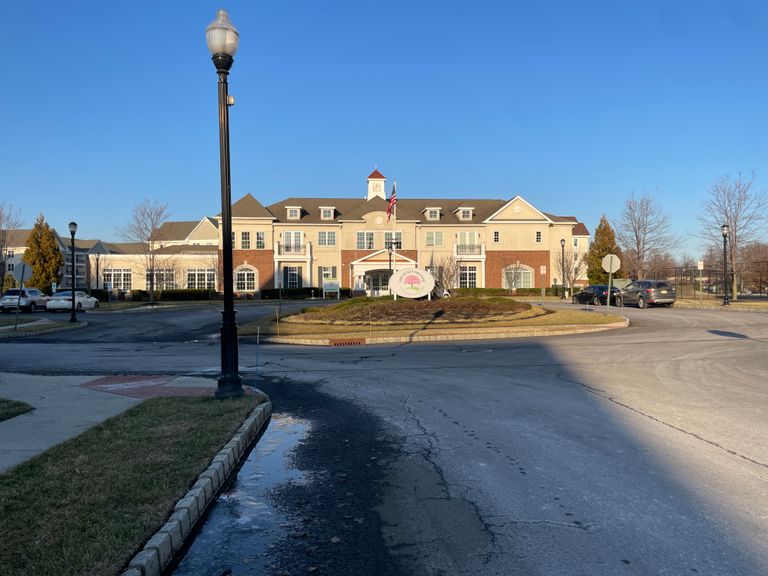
column 11, row 408
column 377, row 317
column 88, row 505
column 8, row 320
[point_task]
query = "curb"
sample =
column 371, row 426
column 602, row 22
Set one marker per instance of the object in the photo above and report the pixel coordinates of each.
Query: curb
column 521, row 332
column 161, row 548
column 77, row 326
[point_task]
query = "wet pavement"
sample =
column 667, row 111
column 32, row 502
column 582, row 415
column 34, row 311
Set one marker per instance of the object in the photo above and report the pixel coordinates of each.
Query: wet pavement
column 305, row 501
column 240, row 532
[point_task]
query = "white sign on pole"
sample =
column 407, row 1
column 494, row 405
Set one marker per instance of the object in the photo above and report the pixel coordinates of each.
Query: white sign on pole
column 542, row 270
column 21, row 272
column 412, row 283
column 611, row 264
column 700, row 265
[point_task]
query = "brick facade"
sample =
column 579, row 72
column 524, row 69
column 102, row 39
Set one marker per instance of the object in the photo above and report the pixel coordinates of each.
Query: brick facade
column 497, row 260
column 261, row 260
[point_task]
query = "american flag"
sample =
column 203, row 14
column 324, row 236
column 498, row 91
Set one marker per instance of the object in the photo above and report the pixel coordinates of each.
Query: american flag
column 392, row 200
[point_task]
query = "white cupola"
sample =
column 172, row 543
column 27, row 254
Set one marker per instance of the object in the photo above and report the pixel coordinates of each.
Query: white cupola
column 376, row 183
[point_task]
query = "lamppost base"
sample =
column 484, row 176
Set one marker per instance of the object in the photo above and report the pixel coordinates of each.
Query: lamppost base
column 230, row 387
column 73, row 318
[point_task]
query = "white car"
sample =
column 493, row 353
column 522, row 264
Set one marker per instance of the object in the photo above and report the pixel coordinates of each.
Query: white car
column 63, row 301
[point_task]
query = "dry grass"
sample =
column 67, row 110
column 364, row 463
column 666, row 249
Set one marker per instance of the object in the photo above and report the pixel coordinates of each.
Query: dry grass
column 87, row 505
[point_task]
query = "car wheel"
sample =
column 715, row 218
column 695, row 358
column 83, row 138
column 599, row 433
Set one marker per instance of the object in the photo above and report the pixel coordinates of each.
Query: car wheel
column 79, row 307
column 669, row 305
column 596, row 301
column 641, row 302
column 6, row 310
column 618, row 301
column 574, row 300
column 32, row 307
column 96, row 304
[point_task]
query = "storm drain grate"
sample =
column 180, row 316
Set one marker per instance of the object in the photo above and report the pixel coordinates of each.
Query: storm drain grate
column 346, row 342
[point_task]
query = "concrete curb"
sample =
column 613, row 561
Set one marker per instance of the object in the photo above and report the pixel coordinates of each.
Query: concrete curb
column 160, row 549
column 75, row 326
column 522, row 332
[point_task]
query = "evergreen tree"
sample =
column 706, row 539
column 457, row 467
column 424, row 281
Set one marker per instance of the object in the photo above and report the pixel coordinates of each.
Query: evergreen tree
column 44, row 255
column 603, row 244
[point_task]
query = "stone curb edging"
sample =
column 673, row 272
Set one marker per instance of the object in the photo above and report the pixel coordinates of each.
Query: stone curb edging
column 160, row 549
column 519, row 333
column 77, row 326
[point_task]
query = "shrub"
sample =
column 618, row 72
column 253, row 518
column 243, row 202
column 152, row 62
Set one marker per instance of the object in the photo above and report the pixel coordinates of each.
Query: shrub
column 185, row 294
column 101, row 295
column 139, row 295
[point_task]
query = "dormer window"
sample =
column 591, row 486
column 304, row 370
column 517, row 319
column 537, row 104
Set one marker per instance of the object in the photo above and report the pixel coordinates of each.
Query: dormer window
column 294, row 212
column 465, row 212
column 327, row 212
column 433, row 214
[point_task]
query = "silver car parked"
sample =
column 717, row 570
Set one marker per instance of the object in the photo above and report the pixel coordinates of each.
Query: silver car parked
column 648, row 292
column 27, row 299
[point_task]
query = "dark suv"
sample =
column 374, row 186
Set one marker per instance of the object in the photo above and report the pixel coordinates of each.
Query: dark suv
column 648, row 292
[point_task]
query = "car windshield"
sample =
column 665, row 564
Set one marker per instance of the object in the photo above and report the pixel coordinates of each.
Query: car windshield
column 63, row 294
column 11, row 292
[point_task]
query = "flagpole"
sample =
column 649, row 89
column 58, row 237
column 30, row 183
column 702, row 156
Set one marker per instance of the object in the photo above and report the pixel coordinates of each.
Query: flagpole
column 394, row 228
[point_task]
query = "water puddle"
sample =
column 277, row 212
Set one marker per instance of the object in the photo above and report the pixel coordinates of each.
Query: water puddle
column 242, row 526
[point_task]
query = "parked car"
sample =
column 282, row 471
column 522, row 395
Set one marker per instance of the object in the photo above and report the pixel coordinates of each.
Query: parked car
column 31, row 299
column 63, row 301
column 597, row 294
column 649, row 292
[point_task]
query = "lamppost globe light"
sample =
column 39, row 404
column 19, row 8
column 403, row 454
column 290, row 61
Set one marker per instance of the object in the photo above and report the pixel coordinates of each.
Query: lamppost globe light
column 221, row 36
column 72, row 227
column 724, row 230
column 562, row 243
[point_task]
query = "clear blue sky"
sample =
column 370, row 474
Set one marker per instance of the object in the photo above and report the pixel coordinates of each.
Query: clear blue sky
column 572, row 105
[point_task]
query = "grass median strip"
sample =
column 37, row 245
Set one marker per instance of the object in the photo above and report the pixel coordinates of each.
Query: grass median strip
column 11, row 408
column 86, row 506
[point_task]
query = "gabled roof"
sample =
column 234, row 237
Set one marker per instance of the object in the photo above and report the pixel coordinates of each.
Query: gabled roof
column 377, row 175
column 310, row 209
column 249, row 207
column 580, row 230
column 174, row 231
column 17, row 238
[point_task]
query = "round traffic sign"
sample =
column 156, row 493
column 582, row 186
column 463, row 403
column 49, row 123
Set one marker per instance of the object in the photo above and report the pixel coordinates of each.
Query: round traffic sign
column 611, row 263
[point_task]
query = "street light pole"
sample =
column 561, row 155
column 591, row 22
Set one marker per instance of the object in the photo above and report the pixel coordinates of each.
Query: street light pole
column 562, row 261
column 724, row 232
column 222, row 39
column 72, row 230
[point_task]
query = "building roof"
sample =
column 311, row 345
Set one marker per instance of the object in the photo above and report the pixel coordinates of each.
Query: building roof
column 249, row 207
column 17, row 238
column 579, row 230
column 175, row 231
column 377, row 175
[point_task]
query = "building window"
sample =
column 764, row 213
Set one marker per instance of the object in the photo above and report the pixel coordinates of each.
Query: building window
column 465, row 213
column 326, row 238
column 261, row 241
column 398, row 240
column 201, row 279
column 294, row 213
column 496, row 236
column 467, row 276
column 10, row 266
column 516, row 276
column 538, row 237
column 434, row 238
column 575, row 242
column 165, row 279
column 364, row 241
column 245, row 240
column 245, row 280
column 9, row 253
column 292, row 275
column 233, row 239
column 118, row 279
column 433, row 214
column 326, row 213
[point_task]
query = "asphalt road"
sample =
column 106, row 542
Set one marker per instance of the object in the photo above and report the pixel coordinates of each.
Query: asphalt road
column 639, row 451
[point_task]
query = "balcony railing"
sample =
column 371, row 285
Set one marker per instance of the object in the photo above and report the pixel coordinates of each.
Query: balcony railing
column 469, row 249
column 291, row 249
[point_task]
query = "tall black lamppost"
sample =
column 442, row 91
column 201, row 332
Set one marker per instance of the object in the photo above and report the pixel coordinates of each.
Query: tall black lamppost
column 222, row 39
column 562, row 261
column 724, row 231
column 72, row 230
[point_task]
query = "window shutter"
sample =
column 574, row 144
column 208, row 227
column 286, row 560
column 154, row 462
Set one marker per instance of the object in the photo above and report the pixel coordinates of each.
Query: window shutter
column 300, row 274
column 285, row 278
column 333, row 271
column 320, row 277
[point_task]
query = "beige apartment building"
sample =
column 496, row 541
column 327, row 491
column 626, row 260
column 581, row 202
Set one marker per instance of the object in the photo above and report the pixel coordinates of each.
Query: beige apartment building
column 299, row 242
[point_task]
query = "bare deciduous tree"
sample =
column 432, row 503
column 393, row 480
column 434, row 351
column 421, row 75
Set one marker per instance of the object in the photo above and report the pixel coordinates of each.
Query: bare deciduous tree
column 10, row 221
column 735, row 202
column 146, row 220
column 574, row 266
column 446, row 271
column 511, row 275
column 644, row 232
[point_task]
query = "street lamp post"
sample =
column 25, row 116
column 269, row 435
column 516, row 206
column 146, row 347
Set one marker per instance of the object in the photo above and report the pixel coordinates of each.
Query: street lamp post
column 724, row 232
column 222, row 39
column 72, row 230
column 562, row 261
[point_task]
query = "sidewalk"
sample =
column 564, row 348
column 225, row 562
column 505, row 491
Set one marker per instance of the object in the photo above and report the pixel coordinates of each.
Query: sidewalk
column 66, row 406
